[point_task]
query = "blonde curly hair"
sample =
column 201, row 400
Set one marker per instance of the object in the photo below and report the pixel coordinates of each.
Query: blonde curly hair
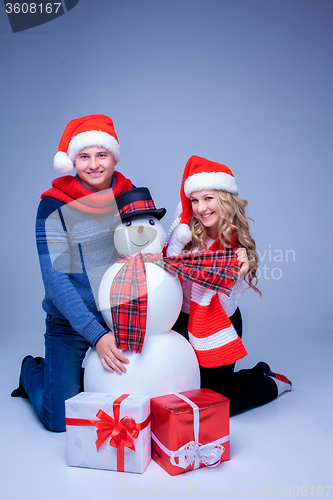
column 233, row 219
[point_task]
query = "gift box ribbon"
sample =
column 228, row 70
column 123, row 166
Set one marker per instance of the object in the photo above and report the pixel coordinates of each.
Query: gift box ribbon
column 121, row 432
column 194, row 452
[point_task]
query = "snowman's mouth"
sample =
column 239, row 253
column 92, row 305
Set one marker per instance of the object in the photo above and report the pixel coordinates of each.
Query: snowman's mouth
column 137, row 245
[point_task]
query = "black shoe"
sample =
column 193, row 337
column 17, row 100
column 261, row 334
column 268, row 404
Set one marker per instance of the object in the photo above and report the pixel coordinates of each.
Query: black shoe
column 20, row 391
column 264, row 367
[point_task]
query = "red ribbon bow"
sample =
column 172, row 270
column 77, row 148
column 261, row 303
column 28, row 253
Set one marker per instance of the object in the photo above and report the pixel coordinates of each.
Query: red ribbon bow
column 121, row 432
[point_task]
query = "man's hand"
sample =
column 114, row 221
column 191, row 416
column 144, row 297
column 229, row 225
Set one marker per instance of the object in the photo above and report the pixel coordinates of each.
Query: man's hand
column 111, row 358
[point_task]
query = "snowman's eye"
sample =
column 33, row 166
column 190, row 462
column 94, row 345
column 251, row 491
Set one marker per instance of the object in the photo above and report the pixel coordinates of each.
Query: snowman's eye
column 152, row 222
column 128, row 223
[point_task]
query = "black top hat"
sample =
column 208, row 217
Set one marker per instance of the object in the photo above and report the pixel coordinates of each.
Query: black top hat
column 138, row 201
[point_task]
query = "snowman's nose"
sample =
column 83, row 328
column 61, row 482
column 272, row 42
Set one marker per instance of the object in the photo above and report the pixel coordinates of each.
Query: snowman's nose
column 140, row 228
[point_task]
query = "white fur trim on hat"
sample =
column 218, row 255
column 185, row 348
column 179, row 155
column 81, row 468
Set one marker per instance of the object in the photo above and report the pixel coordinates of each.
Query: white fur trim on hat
column 62, row 163
column 93, row 138
column 210, row 180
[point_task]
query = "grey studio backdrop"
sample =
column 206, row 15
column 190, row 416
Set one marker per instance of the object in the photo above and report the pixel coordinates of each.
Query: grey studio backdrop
column 247, row 83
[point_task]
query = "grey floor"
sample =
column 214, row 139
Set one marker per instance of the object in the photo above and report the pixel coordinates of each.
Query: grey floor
column 282, row 449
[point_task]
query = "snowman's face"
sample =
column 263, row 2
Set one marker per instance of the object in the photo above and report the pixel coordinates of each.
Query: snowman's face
column 139, row 234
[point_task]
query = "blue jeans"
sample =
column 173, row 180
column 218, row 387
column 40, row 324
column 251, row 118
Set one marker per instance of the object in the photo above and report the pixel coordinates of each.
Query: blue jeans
column 59, row 376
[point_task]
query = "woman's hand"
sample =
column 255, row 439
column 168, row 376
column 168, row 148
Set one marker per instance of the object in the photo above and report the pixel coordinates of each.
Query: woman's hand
column 111, row 358
column 243, row 261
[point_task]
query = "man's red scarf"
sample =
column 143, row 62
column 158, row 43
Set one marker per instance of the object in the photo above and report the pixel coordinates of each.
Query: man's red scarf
column 69, row 190
column 217, row 270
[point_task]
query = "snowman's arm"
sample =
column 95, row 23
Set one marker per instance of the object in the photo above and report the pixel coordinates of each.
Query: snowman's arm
column 60, row 293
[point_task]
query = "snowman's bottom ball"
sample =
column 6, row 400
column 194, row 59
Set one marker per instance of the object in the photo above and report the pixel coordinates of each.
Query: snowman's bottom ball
column 167, row 364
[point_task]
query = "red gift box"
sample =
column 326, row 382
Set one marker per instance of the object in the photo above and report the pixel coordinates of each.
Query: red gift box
column 190, row 430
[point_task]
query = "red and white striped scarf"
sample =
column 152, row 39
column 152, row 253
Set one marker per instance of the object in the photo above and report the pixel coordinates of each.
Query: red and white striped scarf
column 210, row 330
column 215, row 270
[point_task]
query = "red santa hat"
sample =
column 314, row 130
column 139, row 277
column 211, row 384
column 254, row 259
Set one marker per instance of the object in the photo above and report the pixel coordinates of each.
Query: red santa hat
column 200, row 174
column 91, row 130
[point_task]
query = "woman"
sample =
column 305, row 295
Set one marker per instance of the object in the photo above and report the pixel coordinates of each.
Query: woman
column 211, row 216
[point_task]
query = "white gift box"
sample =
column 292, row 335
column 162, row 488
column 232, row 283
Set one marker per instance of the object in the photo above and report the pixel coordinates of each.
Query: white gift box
column 94, row 420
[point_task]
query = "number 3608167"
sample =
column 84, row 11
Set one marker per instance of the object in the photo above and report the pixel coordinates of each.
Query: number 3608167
column 303, row 491
column 32, row 8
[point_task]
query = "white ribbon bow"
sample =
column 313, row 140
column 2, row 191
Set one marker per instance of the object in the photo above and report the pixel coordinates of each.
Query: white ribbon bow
column 194, row 452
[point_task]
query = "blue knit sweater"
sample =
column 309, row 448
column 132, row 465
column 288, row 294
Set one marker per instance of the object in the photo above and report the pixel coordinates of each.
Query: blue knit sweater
column 75, row 249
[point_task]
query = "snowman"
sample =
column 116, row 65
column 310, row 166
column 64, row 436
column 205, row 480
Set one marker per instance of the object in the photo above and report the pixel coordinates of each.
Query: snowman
column 166, row 362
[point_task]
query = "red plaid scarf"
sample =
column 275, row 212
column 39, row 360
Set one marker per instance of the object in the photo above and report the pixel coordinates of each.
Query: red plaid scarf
column 217, row 270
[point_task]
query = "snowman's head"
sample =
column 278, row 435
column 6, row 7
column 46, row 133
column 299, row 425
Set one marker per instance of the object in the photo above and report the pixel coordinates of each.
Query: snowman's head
column 139, row 234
